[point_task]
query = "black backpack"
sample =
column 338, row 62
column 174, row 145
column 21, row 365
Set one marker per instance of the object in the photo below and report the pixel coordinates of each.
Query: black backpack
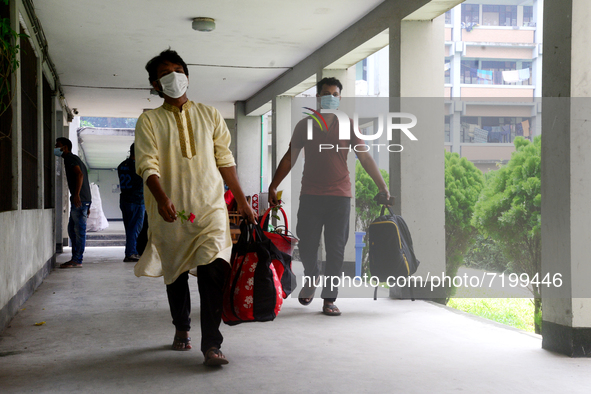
column 391, row 252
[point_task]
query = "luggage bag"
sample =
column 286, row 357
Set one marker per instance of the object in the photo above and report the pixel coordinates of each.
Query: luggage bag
column 391, row 252
column 253, row 289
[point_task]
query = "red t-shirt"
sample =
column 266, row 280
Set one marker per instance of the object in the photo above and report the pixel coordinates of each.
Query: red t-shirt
column 325, row 171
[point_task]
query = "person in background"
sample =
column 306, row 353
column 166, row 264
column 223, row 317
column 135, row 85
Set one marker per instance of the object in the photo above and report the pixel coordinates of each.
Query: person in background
column 325, row 200
column 131, row 202
column 80, row 199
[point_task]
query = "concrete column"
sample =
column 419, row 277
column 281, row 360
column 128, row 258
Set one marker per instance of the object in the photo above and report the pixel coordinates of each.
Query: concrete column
column 456, row 52
column 347, row 78
column 417, row 173
column 519, row 15
column 538, row 52
column 64, row 202
column 566, row 178
column 456, row 20
column 281, row 136
column 58, row 180
column 248, row 149
column 456, row 128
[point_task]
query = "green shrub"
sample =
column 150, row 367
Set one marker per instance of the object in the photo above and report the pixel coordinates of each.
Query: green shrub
column 463, row 183
column 509, row 211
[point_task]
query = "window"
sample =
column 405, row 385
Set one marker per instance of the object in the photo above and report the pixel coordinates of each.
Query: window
column 48, row 143
column 528, row 15
column 492, row 129
column 497, row 68
column 467, row 127
column 28, row 69
column 470, row 13
column 525, row 65
column 490, row 72
column 447, row 128
column 5, row 139
column 469, row 69
column 448, row 17
column 499, row 15
column 447, row 70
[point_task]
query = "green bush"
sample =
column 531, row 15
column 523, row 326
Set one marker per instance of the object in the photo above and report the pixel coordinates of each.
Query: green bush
column 486, row 255
column 463, row 183
column 509, row 210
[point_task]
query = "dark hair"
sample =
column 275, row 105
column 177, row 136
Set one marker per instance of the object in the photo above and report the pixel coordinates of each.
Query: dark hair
column 65, row 142
column 132, row 150
column 330, row 81
column 165, row 56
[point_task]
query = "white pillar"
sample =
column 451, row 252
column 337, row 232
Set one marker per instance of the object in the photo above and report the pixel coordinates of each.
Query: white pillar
column 347, row 79
column 417, row 173
column 248, row 149
column 566, row 179
column 281, row 136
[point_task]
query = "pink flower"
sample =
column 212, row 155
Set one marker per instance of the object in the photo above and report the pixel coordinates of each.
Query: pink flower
column 191, row 217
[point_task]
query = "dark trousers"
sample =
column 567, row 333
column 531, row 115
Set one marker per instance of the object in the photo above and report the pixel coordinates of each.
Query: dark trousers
column 210, row 278
column 142, row 238
column 332, row 213
column 133, row 220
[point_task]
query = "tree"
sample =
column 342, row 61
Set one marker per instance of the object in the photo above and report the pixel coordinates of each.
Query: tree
column 463, row 184
column 366, row 208
column 509, row 212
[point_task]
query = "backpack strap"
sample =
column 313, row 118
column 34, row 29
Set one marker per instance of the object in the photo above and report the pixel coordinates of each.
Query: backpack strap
column 384, row 210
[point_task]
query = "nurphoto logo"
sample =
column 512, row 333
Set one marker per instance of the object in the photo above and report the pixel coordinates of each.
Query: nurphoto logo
column 345, row 129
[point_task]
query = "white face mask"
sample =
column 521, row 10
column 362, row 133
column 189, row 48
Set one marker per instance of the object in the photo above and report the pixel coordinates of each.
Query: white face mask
column 174, row 85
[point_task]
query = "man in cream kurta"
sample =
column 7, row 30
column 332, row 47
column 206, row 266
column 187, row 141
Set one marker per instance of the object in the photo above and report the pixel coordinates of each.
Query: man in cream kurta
column 183, row 155
column 184, row 149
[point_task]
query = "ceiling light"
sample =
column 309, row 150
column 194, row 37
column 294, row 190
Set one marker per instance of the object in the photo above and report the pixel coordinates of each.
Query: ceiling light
column 203, row 24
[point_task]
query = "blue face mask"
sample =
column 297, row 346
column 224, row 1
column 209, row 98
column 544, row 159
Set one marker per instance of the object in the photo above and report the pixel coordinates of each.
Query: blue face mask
column 58, row 152
column 329, row 102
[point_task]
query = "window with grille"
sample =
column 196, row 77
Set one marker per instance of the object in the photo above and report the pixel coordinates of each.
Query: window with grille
column 48, row 144
column 28, row 69
column 499, row 15
column 5, row 133
column 470, row 13
column 528, row 15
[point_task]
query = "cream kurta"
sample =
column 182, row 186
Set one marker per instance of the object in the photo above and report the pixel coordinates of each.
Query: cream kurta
column 185, row 150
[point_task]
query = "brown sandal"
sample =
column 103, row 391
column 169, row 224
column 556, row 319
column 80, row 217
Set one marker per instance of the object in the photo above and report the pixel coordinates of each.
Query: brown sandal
column 218, row 359
column 184, row 341
column 331, row 310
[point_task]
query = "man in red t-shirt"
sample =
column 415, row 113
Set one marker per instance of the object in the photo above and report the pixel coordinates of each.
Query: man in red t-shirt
column 325, row 199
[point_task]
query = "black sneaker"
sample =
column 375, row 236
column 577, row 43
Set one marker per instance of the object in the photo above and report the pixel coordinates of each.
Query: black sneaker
column 131, row 259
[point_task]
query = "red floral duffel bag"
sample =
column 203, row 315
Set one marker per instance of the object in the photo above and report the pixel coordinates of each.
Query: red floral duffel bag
column 253, row 289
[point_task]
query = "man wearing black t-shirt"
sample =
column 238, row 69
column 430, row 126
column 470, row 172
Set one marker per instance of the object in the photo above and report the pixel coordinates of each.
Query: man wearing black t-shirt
column 80, row 199
column 131, row 203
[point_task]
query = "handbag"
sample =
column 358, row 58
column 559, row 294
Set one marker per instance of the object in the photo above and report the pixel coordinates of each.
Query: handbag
column 282, row 237
column 254, row 290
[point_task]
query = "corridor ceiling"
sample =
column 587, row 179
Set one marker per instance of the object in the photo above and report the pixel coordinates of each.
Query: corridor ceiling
column 100, row 48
